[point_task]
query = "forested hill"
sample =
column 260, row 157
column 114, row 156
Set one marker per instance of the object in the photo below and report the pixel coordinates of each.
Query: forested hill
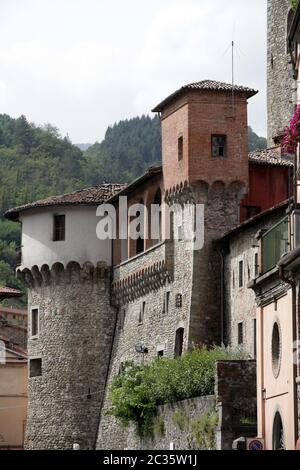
column 128, row 149
column 36, row 162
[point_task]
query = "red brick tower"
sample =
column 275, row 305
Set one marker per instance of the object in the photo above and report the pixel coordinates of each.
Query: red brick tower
column 205, row 154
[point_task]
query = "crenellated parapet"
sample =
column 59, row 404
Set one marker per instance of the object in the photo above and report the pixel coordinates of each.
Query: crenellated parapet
column 73, row 272
column 143, row 274
column 202, row 192
column 180, row 194
column 141, row 283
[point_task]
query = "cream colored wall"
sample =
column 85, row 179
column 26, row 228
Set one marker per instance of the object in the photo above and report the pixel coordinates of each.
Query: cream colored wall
column 13, row 402
column 81, row 244
column 279, row 392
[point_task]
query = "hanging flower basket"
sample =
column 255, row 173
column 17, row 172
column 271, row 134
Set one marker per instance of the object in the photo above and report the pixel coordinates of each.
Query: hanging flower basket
column 292, row 134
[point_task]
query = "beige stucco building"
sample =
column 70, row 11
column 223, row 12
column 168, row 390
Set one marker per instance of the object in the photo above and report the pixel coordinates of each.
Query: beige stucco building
column 13, row 397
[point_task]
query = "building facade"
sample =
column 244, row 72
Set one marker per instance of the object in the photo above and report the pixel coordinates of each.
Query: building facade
column 95, row 304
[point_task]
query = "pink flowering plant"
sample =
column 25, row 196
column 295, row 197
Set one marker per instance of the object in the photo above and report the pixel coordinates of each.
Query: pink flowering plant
column 292, row 133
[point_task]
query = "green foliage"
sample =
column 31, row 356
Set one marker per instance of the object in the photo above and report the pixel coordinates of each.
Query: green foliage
column 294, row 4
column 159, row 429
column 204, row 430
column 180, row 420
column 140, row 389
column 129, row 148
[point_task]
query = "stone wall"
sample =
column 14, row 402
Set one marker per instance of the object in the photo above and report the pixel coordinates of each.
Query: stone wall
column 156, row 331
column 235, row 391
column 281, row 87
column 240, row 304
column 175, row 424
column 74, row 344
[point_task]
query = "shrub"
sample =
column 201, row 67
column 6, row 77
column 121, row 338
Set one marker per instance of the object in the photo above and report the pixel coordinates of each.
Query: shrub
column 294, row 4
column 140, row 389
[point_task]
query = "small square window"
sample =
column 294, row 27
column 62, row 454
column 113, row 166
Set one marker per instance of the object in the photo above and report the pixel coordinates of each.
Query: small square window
column 160, row 354
column 180, row 148
column 35, row 367
column 219, row 146
column 240, row 334
column 59, row 228
column 34, row 324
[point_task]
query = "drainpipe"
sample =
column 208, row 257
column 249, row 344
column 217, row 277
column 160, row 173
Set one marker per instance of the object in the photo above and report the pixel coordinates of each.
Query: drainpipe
column 294, row 334
column 221, row 253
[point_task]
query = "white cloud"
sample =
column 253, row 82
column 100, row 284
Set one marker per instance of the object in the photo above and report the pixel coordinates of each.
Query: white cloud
column 83, row 65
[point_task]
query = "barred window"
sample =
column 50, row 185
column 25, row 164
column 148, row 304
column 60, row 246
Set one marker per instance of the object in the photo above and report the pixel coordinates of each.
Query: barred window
column 59, row 228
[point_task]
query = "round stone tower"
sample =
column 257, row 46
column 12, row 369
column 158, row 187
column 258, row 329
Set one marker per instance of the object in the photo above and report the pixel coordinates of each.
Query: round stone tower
column 71, row 321
column 281, row 86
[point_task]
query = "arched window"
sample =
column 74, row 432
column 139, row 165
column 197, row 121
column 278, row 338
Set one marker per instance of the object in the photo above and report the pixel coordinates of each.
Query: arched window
column 278, row 433
column 179, row 342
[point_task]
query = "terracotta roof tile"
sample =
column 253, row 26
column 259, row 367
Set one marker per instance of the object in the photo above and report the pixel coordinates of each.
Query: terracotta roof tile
column 90, row 196
column 271, row 156
column 205, row 85
column 6, row 292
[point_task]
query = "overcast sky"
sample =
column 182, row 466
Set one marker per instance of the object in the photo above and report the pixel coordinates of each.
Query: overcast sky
column 84, row 64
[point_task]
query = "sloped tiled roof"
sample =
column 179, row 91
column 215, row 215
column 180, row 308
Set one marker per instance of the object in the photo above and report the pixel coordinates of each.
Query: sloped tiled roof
column 271, row 156
column 206, row 85
column 90, row 196
column 6, row 292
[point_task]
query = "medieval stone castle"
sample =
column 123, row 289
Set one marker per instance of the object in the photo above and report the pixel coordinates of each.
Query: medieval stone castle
column 95, row 304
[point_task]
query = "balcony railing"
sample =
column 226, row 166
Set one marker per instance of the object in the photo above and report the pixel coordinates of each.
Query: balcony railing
column 275, row 243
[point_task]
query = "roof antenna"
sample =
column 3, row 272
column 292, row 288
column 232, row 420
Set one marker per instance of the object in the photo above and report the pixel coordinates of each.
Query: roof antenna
column 232, row 71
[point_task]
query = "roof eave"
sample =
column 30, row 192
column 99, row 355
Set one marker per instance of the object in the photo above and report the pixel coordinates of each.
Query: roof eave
column 167, row 101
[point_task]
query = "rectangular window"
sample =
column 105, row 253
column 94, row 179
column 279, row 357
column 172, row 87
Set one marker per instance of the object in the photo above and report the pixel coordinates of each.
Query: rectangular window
column 34, row 323
column 180, row 148
column 59, row 228
column 256, row 265
column 166, row 302
column 240, row 334
column 160, row 353
column 35, row 367
column 219, row 146
column 241, row 274
column 254, row 339
column 142, row 312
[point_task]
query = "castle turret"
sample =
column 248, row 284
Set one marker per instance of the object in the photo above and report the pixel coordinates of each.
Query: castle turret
column 71, row 321
column 281, row 85
column 205, row 151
